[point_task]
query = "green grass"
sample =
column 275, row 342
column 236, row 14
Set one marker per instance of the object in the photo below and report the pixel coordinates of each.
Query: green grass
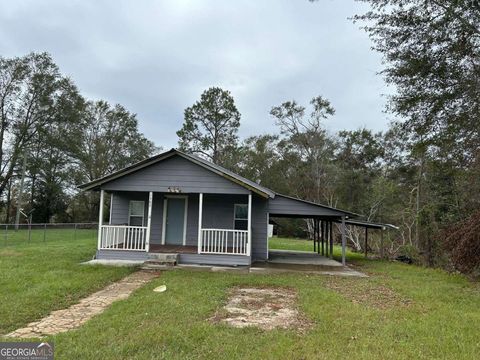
column 38, row 277
column 442, row 320
column 307, row 245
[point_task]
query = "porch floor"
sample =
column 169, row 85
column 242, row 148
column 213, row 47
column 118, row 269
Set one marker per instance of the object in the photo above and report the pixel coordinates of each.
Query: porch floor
column 173, row 249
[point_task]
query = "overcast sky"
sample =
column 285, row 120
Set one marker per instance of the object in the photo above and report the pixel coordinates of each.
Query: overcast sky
column 157, row 57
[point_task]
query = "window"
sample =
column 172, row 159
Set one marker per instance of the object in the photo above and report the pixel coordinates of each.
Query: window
column 240, row 216
column 135, row 213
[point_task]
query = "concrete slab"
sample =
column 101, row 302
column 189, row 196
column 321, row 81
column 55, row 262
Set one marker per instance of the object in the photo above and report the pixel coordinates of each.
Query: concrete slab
column 344, row 271
column 267, row 268
column 114, row 262
column 281, row 261
column 300, row 258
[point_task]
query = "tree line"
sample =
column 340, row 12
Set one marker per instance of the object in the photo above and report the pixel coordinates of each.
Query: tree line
column 421, row 174
column 52, row 139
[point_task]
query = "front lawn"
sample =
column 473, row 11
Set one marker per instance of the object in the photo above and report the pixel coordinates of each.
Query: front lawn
column 399, row 312
column 37, row 277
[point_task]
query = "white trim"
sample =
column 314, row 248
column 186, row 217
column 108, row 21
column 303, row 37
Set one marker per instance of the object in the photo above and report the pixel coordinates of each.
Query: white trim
column 100, row 219
column 149, row 221
column 111, row 208
column 133, row 238
column 215, row 241
column 130, row 211
column 165, row 207
column 200, row 218
column 249, row 228
column 164, row 221
column 268, row 238
column 344, row 241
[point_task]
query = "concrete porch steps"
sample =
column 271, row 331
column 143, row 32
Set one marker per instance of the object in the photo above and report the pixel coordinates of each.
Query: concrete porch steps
column 160, row 261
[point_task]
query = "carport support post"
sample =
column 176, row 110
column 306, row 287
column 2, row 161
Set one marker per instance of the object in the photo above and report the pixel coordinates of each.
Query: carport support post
column 331, row 239
column 326, row 238
column 322, row 236
column 344, row 241
column 314, row 237
column 100, row 219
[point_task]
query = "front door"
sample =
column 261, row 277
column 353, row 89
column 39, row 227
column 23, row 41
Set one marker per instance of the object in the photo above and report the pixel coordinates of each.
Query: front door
column 174, row 219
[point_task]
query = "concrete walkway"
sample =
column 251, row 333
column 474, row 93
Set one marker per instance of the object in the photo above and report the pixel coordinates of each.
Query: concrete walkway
column 76, row 315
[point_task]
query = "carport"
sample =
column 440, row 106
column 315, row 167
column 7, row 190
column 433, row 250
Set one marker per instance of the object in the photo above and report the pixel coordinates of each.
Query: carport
column 323, row 218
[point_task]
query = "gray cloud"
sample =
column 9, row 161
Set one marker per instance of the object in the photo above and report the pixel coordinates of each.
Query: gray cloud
column 156, row 57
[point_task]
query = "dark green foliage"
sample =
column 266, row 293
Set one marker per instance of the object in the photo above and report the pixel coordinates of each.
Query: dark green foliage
column 431, row 52
column 432, row 55
column 210, row 126
column 105, row 140
column 66, row 140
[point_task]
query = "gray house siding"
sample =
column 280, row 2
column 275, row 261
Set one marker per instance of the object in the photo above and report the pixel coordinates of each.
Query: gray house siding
column 121, row 255
column 219, row 197
column 218, row 213
column 189, row 259
column 205, row 259
column 259, row 229
column 175, row 172
column 120, row 205
column 218, row 210
column 284, row 206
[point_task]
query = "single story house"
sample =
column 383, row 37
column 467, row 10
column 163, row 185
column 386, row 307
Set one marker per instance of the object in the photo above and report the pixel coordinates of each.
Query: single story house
column 179, row 203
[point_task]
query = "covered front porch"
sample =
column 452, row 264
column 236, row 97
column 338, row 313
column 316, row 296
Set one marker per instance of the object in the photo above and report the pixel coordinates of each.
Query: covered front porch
column 153, row 222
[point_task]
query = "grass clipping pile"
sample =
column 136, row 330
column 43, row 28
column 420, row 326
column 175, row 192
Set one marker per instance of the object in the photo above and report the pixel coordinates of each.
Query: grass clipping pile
column 265, row 308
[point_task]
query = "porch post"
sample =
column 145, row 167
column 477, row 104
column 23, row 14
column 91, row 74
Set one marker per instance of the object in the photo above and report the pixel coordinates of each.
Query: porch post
column 111, row 208
column 149, row 221
column 200, row 214
column 249, row 225
column 344, row 241
column 100, row 219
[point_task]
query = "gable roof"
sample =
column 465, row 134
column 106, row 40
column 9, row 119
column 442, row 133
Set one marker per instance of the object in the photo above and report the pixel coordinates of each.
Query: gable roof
column 217, row 169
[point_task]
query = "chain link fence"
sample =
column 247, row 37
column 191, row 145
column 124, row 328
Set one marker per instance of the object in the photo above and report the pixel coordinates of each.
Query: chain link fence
column 16, row 234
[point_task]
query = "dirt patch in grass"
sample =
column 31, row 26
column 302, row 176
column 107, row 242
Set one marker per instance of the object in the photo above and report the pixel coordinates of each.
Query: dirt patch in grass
column 9, row 252
column 368, row 293
column 265, row 308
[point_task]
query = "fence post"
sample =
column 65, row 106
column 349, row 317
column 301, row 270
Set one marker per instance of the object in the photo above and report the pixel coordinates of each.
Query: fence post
column 44, row 232
column 75, row 232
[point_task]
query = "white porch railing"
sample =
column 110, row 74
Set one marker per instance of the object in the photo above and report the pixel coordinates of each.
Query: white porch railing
column 123, row 237
column 224, row 241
